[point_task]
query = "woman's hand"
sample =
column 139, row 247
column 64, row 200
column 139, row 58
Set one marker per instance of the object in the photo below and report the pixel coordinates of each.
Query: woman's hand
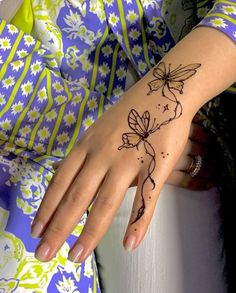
column 142, row 136
column 197, row 144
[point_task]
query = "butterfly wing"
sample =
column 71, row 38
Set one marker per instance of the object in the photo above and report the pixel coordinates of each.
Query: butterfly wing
column 178, row 75
column 184, row 73
column 137, row 123
column 155, row 85
column 130, row 140
column 160, row 70
column 177, row 85
column 146, row 120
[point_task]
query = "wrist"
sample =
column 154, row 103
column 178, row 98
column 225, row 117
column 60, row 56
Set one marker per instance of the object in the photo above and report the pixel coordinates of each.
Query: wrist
column 160, row 88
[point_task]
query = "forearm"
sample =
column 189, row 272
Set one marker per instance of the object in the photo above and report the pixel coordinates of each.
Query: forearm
column 215, row 53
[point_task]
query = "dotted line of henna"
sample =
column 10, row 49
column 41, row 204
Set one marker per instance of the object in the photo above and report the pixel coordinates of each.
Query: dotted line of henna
column 167, row 81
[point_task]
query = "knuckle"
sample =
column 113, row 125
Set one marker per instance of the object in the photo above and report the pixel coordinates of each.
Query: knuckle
column 74, row 198
column 54, row 230
column 88, row 233
column 105, row 202
column 59, row 180
column 80, row 192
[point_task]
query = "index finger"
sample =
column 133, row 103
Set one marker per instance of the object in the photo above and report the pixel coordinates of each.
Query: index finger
column 58, row 186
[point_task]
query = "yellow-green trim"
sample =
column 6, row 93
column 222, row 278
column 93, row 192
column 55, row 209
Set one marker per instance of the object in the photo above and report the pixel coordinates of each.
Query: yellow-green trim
column 144, row 39
column 202, row 3
column 94, row 276
column 24, row 112
column 111, row 81
column 56, row 128
column 221, row 15
column 24, row 18
column 19, row 150
column 124, row 28
column 49, row 104
column 2, row 25
column 11, row 55
column 69, row 94
column 232, row 89
column 96, row 60
column 59, row 119
column 94, row 76
column 225, row 1
column 17, row 86
column 40, row 158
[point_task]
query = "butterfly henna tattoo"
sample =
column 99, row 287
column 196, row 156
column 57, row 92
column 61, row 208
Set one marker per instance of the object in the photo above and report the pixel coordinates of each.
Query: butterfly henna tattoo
column 169, row 81
column 142, row 126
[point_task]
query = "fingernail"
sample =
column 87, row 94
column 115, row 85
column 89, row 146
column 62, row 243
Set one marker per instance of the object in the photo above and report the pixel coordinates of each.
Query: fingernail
column 42, row 252
column 37, row 229
column 75, row 253
column 130, row 243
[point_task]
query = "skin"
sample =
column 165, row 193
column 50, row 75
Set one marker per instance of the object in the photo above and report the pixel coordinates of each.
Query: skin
column 197, row 144
column 100, row 170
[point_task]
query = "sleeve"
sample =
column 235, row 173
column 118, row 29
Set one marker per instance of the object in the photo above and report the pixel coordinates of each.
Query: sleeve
column 38, row 107
column 222, row 16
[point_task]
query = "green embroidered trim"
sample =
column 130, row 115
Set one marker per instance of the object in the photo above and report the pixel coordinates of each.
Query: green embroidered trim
column 24, row 18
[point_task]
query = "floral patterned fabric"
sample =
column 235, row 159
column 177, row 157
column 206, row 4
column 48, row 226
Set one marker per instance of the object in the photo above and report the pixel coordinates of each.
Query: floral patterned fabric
column 54, row 84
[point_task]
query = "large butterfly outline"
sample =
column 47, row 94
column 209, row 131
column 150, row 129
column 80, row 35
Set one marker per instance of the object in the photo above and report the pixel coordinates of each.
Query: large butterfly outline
column 168, row 80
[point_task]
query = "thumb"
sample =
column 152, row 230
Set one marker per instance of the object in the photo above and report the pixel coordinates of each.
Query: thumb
column 150, row 182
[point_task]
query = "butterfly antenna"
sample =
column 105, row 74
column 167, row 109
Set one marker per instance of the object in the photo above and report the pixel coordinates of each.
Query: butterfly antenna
column 176, row 69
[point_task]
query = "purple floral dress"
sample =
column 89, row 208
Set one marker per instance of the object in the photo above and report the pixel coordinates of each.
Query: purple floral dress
column 54, row 83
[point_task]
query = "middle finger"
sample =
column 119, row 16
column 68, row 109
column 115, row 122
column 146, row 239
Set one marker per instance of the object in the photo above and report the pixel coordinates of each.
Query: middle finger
column 104, row 208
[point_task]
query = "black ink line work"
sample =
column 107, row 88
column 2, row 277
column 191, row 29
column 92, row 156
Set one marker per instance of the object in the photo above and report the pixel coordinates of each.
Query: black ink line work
column 169, row 81
column 141, row 129
column 142, row 126
column 141, row 160
column 165, row 108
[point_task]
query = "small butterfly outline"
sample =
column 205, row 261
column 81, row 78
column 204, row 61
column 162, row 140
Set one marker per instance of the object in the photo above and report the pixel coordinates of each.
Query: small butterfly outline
column 141, row 129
